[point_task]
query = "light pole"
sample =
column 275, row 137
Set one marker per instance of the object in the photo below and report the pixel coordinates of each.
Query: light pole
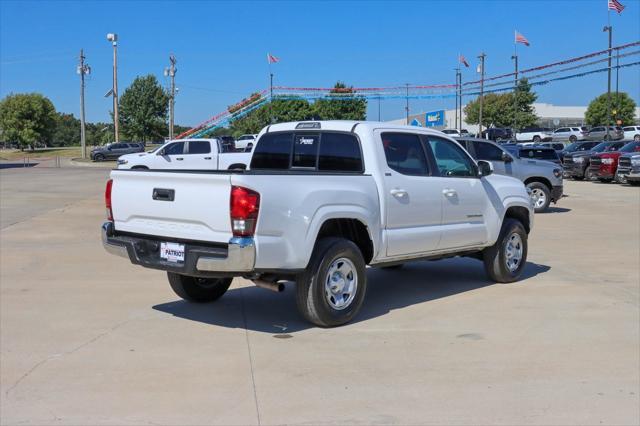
column 609, row 29
column 113, row 38
column 407, row 104
column 83, row 69
column 481, row 56
column 171, row 72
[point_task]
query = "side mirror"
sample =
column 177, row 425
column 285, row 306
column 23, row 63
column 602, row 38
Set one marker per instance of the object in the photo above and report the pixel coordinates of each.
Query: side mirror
column 485, row 168
column 506, row 157
column 161, row 152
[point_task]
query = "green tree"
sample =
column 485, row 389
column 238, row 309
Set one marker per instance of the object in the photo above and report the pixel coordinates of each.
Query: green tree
column 333, row 107
column 498, row 109
column 67, row 130
column 143, row 110
column 27, row 119
column 622, row 109
column 99, row 133
column 283, row 110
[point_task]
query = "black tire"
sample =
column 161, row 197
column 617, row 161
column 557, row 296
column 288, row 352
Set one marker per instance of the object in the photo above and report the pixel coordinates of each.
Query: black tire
column 573, row 138
column 577, row 177
column 546, row 192
column 98, row 157
column 606, row 137
column 536, row 139
column 311, row 299
column 636, row 138
column 605, row 180
column 633, row 182
column 495, row 257
column 588, row 174
column 199, row 290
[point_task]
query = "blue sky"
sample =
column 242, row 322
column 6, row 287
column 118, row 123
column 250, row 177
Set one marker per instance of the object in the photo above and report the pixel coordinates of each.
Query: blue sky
column 221, row 47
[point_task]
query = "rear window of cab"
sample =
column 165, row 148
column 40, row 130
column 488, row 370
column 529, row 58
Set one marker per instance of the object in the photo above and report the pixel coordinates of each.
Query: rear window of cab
column 312, row 151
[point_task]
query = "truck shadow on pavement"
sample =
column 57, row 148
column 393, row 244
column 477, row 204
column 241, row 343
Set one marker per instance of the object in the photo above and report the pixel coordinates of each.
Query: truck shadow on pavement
column 261, row 310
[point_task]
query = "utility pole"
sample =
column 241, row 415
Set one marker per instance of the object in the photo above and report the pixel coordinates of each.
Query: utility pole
column 460, row 94
column 171, row 73
column 609, row 29
column 83, row 69
column 407, row 105
column 515, row 95
column 113, row 38
column 482, row 56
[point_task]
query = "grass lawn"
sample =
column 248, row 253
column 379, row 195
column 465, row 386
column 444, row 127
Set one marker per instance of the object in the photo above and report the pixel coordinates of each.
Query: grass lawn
column 16, row 154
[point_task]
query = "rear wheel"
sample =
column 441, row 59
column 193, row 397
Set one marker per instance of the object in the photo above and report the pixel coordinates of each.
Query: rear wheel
column 330, row 292
column 505, row 260
column 636, row 138
column 196, row 289
column 541, row 196
column 98, row 157
column 573, row 138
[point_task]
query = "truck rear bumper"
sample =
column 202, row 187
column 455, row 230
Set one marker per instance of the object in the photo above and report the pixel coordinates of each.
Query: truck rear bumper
column 234, row 258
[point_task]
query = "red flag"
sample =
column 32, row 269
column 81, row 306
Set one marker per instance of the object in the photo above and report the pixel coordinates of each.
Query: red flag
column 462, row 60
column 521, row 39
column 272, row 59
column 615, row 5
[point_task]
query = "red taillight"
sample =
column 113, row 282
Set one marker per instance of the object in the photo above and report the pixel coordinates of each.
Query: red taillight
column 107, row 199
column 245, row 205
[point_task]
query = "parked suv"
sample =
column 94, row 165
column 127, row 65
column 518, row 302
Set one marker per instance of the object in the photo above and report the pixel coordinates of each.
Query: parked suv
column 534, row 134
column 629, row 169
column 576, row 164
column 542, row 178
column 571, row 134
column 114, row 150
column 603, row 166
column 497, row 134
column 631, row 133
column 599, row 133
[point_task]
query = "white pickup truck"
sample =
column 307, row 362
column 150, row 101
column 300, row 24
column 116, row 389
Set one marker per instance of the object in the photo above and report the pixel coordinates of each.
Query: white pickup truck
column 319, row 202
column 187, row 154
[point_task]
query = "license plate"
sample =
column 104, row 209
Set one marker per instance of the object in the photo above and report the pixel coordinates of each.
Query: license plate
column 172, row 252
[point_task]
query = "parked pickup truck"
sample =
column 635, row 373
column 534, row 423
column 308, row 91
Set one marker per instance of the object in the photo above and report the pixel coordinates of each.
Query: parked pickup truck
column 187, row 154
column 576, row 164
column 319, row 202
column 629, row 169
column 603, row 165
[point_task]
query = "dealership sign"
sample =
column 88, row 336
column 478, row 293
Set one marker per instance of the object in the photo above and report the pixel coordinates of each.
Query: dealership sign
column 434, row 118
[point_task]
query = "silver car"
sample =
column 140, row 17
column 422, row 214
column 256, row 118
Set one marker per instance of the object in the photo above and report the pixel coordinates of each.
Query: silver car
column 599, row 133
column 542, row 178
column 570, row 134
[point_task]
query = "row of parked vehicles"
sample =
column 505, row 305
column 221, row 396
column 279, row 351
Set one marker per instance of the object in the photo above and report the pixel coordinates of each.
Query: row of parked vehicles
column 605, row 161
column 562, row 134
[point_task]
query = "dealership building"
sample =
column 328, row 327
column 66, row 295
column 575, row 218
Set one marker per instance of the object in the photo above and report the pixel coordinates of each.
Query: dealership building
column 549, row 115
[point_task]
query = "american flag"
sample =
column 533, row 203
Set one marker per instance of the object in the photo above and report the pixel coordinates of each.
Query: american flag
column 521, row 39
column 615, row 5
column 463, row 60
column 272, row 59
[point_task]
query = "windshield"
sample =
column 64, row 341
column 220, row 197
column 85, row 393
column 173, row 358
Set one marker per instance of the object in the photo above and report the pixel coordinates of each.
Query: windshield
column 601, row 147
column 631, row 147
column 572, row 146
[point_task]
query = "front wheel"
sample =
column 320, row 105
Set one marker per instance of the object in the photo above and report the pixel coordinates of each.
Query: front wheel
column 199, row 290
column 98, row 157
column 330, row 292
column 505, row 260
column 540, row 195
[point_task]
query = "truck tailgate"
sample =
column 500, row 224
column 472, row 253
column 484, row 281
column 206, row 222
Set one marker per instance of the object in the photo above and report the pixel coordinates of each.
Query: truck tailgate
column 191, row 206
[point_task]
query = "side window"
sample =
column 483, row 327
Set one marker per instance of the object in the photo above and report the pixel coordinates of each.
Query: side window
column 405, row 154
column 340, row 152
column 272, row 151
column 305, row 150
column 487, row 151
column 176, row 148
column 451, row 159
column 597, row 129
column 199, row 147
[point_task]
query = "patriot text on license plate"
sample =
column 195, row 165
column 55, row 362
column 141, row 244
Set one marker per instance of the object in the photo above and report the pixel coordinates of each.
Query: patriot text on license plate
column 173, row 252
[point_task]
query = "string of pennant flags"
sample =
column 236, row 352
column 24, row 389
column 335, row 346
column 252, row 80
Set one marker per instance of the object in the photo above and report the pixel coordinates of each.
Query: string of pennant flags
column 430, row 91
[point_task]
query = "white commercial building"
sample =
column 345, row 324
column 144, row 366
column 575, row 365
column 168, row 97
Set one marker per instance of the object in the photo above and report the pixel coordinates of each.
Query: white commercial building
column 552, row 116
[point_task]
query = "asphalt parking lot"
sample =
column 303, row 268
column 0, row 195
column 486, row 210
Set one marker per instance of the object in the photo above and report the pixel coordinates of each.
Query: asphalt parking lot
column 88, row 338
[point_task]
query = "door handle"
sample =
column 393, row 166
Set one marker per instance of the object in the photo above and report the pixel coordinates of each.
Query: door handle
column 179, row 158
column 449, row 192
column 399, row 193
column 207, row 158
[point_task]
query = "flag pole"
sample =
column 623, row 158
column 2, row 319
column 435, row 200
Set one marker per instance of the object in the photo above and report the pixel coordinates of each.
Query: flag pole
column 610, row 30
column 515, row 85
column 270, row 89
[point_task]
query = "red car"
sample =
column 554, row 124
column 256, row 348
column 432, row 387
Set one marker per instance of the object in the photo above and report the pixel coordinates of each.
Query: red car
column 604, row 165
